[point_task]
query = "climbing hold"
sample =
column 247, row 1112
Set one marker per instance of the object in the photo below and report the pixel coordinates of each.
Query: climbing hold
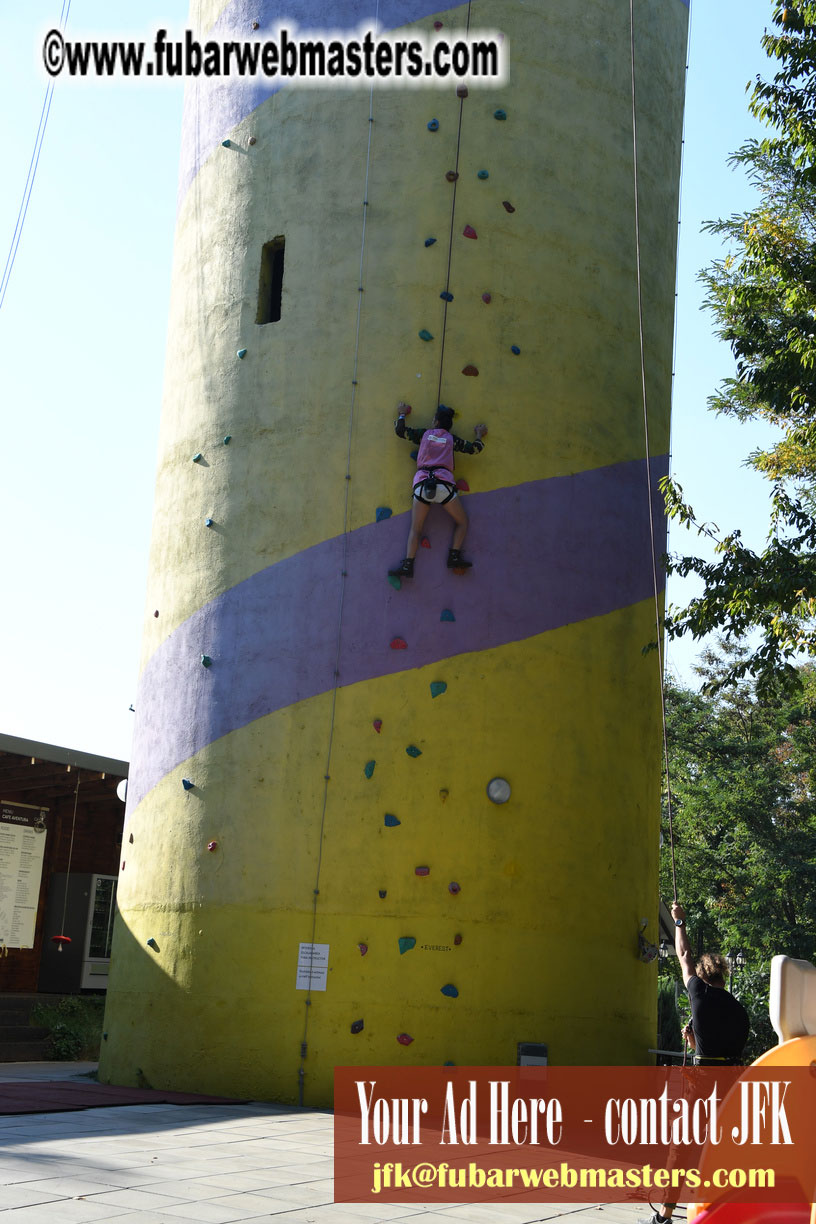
column 438, row 687
column 447, row 615
column 454, row 888
column 382, row 893
column 445, row 296
column 449, row 1064
column 452, row 176
column 357, row 1026
column 507, row 206
column 226, row 143
column 422, row 871
column 211, row 846
column 469, row 232
column 208, row 522
column 425, row 334
column 413, row 751
column 450, row 991
column 187, row 784
column 383, row 512
column 206, row 661
column 487, row 299
column 151, row 943
column 437, row 25
column 461, row 91
column 457, row 939
column 377, row 725
column 500, row 114
column 429, row 241
column 363, row 948
column 483, row 174
column 425, row 542
column 463, row 486
column 399, row 644
column 406, row 943
column 406, row 408
column 391, row 821
column 404, row 1039
column 470, row 371
column 241, row 353
column 253, row 140
column 514, row 348
column 255, row 25
column 395, row 582
column 443, row 794
column 156, row 613
column 414, row 454
column 227, row 439
column 197, row 457
column 130, row 839
column 433, row 126
column 369, row 769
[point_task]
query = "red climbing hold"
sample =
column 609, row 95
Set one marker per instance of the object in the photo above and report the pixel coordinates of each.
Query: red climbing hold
column 470, row 371
column 363, row 948
column 457, row 939
column 463, row 486
column 378, row 725
column 405, row 1039
column 508, row 207
column 422, row 871
column 211, row 846
column 454, row 888
column 487, row 299
column 452, row 176
column 399, row 644
column 437, row 25
column 469, row 232
column 425, row 542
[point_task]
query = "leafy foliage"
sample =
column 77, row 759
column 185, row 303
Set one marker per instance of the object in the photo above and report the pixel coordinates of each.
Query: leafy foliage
column 75, row 1025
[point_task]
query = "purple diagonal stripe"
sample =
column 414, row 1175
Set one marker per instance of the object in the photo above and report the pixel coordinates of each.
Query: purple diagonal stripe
column 546, row 554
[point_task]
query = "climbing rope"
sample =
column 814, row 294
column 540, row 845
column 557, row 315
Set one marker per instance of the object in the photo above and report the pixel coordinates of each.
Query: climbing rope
column 70, row 858
column 343, row 576
column 650, row 491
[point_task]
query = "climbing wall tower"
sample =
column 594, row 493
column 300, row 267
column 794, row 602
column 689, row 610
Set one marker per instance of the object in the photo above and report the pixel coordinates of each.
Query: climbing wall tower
column 313, row 747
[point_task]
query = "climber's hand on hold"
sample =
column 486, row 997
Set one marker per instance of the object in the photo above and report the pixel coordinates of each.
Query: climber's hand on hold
column 480, row 430
column 403, row 409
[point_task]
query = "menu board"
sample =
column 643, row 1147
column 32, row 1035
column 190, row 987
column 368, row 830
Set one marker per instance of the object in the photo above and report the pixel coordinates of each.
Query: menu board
column 23, row 830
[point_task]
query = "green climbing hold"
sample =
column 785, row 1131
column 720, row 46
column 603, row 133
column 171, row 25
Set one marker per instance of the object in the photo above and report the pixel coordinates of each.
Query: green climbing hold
column 413, row 751
column 438, row 687
column 395, row 582
column 425, row 335
column 406, row 943
column 500, row 114
column 369, row 769
column 450, row 991
column 206, row 661
column 483, row 174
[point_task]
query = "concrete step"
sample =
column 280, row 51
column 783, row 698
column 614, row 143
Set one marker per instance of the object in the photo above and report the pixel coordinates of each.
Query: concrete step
column 22, row 1032
column 23, row 1051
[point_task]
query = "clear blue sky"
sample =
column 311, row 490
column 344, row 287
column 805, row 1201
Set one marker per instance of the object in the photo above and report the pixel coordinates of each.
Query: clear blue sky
column 82, row 341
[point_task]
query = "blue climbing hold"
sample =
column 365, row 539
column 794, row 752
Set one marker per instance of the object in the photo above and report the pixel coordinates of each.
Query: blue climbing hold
column 357, row 1026
column 151, row 943
column 438, row 687
column 197, row 457
column 425, row 334
column 413, row 751
column 429, row 241
column 445, row 296
column 500, row 114
column 447, row 615
column 391, row 821
column 227, row 439
column 514, row 348
column 395, row 582
column 383, row 512
column 406, row 943
column 208, row 522
column 206, row 661
column 449, row 1064
column 369, row 769
column 483, row 174
column 226, row 143
column 433, row 126
column 187, row 784
column 450, row 991
column 241, row 353
column 414, row 454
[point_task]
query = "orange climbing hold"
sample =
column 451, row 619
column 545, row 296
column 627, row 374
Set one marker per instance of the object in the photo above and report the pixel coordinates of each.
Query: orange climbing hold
column 425, row 542
column 470, row 371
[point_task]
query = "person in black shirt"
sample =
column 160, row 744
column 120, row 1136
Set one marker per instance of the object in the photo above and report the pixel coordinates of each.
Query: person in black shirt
column 719, row 1025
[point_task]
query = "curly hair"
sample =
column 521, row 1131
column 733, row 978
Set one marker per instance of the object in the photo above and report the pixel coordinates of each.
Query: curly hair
column 713, row 968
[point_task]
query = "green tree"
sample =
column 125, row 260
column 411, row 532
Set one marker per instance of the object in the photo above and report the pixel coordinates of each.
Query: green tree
column 762, row 294
column 743, row 785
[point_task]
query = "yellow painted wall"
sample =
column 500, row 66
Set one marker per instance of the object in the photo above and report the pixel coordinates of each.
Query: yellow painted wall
column 555, row 882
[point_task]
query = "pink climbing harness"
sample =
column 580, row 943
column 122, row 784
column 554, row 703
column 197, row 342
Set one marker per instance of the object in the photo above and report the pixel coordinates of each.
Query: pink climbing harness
column 434, row 481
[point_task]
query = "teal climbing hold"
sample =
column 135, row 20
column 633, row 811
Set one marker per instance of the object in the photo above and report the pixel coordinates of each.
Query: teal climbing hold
column 447, row 615
column 438, row 687
column 227, row 439
column 406, row 943
column 483, row 174
column 391, row 821
column 433, row 126
column 429, row 241
column 206, row 661
column 197, row 457
column 413, row 751
column 500, row 114
column 151, row 943
column 241, row 353
column 226, row 143
column 383, row 512
column 369, row 769
column 449, row 1064
column 395, row 582
column 450, row 991
column 445, row 296
column 425, row 334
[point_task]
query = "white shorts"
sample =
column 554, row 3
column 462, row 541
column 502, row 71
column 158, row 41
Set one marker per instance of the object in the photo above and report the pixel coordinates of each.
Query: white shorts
column 443, row 493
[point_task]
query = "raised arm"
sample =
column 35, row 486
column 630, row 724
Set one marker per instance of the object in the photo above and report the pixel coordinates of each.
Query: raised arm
column 404, row 431
column 681, row 943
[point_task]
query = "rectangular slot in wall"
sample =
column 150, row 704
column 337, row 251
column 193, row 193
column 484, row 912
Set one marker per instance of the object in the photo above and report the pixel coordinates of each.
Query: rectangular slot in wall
column 270, row 285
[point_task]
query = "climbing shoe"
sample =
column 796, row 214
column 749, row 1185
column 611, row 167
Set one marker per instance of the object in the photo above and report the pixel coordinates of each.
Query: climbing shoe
column 455, row 561
column 405, row 569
